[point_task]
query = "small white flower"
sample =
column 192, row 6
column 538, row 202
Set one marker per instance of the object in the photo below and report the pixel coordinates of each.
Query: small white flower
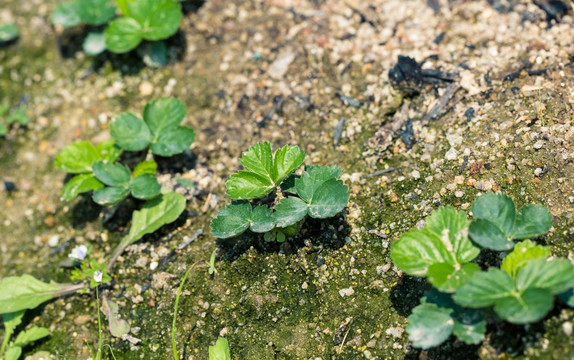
column 79, row 252
column 98, row 276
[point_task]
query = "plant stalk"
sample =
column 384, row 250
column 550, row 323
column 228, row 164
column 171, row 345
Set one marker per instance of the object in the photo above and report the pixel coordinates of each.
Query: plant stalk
column 173, row 345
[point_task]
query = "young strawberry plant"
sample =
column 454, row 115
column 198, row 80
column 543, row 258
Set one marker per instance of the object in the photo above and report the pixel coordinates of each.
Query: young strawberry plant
column 141, row 20
column 16, row 116
column 464, row 297
column 268, row 178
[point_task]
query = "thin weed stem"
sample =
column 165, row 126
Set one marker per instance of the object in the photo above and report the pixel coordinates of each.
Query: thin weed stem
column 173, row 345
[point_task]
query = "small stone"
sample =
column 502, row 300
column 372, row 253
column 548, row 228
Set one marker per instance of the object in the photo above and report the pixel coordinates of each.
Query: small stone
column 53, row 241
column 82, row 319
column 567, row 328
column 372, row 343
column 347, row 292
column 153, row 265
column 458, row 194
column 304, row 286
column 538, row 145
column 452, row 154
column 537, row 171
column 146, row 88
column 415, row 174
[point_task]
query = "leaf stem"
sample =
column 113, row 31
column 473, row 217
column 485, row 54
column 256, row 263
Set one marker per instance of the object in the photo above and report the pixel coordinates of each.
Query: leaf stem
column 173, row 345
column 100, row 346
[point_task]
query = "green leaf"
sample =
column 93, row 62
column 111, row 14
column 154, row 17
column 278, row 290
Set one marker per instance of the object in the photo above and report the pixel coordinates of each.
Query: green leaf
column 94, row 44
column 29, row 336
column 145, row 167
column 110, row 195
column 13, row 353
column 8, row 32
column 3, row 129
column 153, row 54
column 286, row 160
column 163, row 114
column 329, row 199
column 155, row 213
column 19, row 116
column 232, row 220
column 67, row 14
column 108, row 151
column 96, row 12
column 159, row 19
column 123, row 5
column 429, row 325
column 246, row 185
column 259, row 159
column 447, row 278
column 77, row 158
column 556, row 276
column 11, row 321
column 528, row 307
column 145, row 187
column 469, row 324
column 261, row 220
column 173, row 141
column 523, row 252
column 532, row 221
column 26, row 292
column 567, row 297
column 118, row 326
column 442, row 240
column 289, row 211
column 80, row 184
column 123, row 34
column 485, row 289
column 220, row 351
column 498, row 223
column 131, row 132
column 112, row 174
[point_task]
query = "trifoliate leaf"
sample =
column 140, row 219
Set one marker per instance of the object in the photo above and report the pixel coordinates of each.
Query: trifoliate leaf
column 289, row 211
column 159, row 128
column 108, row 151
column 80, row 184
column 286, row 160
column 110, row 195
column 498, row 223
column 94, row 44
column 522, row 253
column 112, row 174
column 159, row 19
column 131, row 132
column 145, row 167
column 429, row 325
column 26, row 292
column 77, row 158
column 29, row 336
column 442, row 241
column 123, row 34
column 67, row 14
column 145, row 187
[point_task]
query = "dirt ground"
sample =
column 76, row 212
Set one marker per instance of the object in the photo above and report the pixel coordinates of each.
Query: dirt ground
column 493, row 110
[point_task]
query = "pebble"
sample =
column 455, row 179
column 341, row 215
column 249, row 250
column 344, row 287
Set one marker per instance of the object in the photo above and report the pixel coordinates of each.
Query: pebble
column 53, row 241
column 452, row 154
column 347, row 292
column 280, row 66
column 153, row 265
column 567, row 328
column 538, row 145
column 537, row 171
column 146, row 88
column 415, row 174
